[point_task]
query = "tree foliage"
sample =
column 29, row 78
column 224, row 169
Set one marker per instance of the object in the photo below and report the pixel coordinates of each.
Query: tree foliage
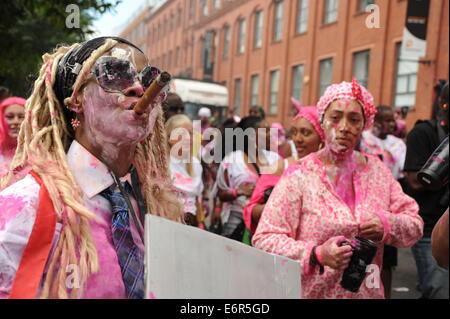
column 30, row 28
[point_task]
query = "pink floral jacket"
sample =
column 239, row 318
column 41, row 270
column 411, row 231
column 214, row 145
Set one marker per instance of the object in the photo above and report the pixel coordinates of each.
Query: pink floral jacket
column 304, row 211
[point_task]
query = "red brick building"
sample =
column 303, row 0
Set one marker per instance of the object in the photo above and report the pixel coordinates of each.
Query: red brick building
column 136, row 30
column 266, row 51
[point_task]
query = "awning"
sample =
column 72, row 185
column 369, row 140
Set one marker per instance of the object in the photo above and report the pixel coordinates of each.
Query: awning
column 198, row 92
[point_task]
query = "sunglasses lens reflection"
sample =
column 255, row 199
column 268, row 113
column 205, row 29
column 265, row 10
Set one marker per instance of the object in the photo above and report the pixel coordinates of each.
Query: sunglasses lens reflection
column 149, row 74
column 117, row 75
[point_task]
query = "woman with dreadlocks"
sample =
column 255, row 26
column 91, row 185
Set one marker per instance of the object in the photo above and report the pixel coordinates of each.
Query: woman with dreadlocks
column 73, row 227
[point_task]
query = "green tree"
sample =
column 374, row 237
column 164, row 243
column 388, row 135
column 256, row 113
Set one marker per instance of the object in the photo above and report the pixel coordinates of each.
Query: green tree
column 29, row 28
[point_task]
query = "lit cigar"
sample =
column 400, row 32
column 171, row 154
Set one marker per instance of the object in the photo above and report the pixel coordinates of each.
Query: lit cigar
column 152, row 92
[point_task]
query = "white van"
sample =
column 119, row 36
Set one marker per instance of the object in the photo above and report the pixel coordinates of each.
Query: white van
column 197, row 94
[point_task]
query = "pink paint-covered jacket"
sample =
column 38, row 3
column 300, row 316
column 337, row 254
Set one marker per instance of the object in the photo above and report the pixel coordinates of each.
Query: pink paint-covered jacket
column 19, row 204
column 304, row 211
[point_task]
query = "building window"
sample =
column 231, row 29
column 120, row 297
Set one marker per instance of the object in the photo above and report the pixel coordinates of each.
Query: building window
column 259, row 20
column 254, row 90
column 237, row 96
column 363, row 4
column 180, row 17
column 208, row 52
column 226, row 42
column 406, row 80
column 302, row 16
column 330, row 11
column 278, row 21
column 297, row 82
column 169, row 62
column 274, row 88
column 192, row 9
column 361, row 67
column 216, row 4
column 205, row 7
column 241, row 36
column 326, row 75
column 201, row 47
column 177, row 56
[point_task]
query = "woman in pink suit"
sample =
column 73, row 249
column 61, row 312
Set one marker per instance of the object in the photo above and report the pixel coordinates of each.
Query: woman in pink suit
column 336, row 194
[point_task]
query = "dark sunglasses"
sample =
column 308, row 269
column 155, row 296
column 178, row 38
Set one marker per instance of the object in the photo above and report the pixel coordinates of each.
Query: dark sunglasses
column 116, row 75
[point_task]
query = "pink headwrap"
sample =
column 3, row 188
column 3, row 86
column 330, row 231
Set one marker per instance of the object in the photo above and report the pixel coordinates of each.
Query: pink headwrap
column 309, row 113
column 278, row 126
column 280, row 129
column 349, row 90
column 5, row 103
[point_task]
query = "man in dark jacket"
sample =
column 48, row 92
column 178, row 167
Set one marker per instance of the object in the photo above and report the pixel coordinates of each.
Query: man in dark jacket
column 424, row 138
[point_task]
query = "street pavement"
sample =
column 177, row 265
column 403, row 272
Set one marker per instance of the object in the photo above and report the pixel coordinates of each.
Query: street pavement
column 405, row 278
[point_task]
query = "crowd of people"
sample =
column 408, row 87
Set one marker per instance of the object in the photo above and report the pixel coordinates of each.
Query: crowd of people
column 80, row 169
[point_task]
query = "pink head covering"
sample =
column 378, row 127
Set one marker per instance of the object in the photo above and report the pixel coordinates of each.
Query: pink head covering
column 3, row 105
column 349, row 90
column 278, row 126
column 309, row 113
column 280, row 129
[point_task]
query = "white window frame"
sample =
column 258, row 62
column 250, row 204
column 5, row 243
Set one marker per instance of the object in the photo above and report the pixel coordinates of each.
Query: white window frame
column 301, row 24
column 278, row 21
column 274, row 91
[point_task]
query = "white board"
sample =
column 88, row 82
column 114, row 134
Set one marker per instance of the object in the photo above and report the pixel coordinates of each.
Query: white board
column 184, row 262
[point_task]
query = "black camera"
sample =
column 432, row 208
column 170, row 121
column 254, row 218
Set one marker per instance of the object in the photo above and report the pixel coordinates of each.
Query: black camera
column 364, row 251
column 434, row 174
column 267, row 193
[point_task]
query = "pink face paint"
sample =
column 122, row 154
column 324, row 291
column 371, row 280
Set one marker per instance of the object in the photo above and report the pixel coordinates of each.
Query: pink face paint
column 110, row 122
column 341, row 128
column 345, row 104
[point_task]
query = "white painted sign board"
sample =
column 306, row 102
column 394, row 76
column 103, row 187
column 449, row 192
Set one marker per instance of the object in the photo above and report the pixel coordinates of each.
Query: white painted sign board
column 184, row 262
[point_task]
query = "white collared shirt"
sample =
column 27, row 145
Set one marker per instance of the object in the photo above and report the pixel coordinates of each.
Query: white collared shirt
column 20, row 201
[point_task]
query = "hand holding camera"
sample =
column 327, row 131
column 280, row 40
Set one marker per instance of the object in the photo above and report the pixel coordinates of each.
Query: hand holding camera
column 333, row 254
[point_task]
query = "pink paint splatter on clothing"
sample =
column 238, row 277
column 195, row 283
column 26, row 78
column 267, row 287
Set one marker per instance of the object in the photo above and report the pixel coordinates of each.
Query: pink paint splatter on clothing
column 183, row 180
column 13, row 205
column 94, row 162
column 304, row 210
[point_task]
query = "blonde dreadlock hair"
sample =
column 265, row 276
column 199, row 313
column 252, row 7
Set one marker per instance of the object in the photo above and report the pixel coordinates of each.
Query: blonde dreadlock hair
column 43, row 141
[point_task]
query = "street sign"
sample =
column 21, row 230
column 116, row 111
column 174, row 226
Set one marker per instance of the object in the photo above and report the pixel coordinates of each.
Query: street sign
column 414, row 44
